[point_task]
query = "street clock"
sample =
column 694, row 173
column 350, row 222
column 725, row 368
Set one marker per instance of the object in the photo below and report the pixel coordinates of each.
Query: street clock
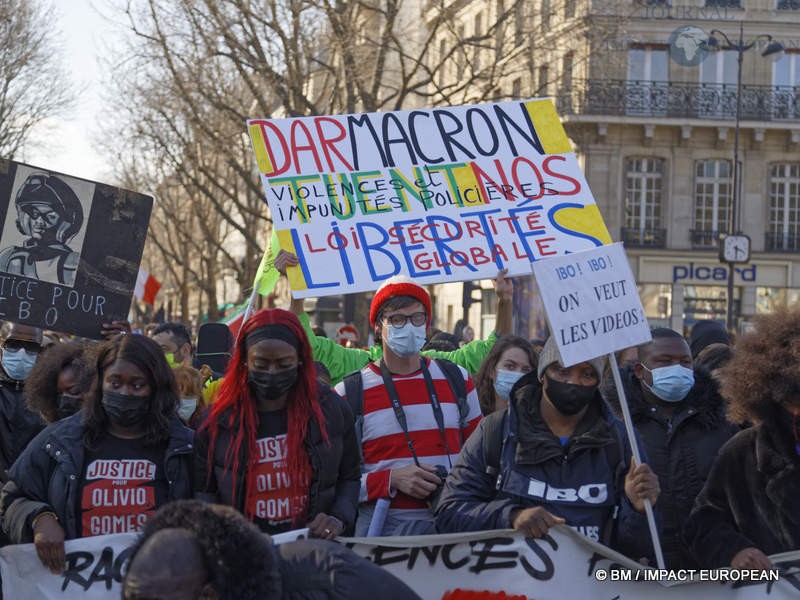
column 735, row 249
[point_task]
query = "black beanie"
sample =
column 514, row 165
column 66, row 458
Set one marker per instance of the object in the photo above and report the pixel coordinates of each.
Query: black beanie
column 705, row 333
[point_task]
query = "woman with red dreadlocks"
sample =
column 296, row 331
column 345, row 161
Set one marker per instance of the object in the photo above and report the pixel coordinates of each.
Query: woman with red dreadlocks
column 278, row 445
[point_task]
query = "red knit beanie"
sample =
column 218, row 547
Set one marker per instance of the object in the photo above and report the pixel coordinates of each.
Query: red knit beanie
column 399, row 285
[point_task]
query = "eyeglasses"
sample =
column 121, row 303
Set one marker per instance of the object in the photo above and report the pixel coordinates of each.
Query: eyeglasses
column 398, row 320
column 50, row 217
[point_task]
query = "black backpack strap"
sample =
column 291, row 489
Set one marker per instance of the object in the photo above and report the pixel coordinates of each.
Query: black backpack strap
column 354, row 396
column 354, row 392
column 455, row 379
column 493, row 442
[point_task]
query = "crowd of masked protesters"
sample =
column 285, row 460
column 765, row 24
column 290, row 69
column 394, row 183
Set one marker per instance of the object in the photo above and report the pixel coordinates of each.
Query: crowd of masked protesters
column 423, row 432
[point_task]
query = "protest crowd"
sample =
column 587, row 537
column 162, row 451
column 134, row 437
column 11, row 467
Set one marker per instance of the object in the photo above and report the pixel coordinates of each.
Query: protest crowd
column 398, row 439
column 267, row 460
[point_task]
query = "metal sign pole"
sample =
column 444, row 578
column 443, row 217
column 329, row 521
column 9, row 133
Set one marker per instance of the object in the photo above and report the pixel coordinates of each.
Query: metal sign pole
column 626, row 416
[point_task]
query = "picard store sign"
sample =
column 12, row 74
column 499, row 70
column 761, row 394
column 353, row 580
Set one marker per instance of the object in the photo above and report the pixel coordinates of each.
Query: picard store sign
column 693, row 270
column 700, row 272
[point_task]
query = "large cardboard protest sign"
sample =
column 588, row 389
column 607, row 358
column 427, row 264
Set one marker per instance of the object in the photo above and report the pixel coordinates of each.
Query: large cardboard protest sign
column 447, row 194
column 69, row 249
column 592, row 303
column 562, row 565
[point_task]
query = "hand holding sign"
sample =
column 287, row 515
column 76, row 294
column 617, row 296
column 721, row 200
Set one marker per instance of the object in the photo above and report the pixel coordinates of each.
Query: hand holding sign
column 751, row 558
column 534, row 522
column 503, row 286
column 48, row 537
column 641, row 483
column 285, row 259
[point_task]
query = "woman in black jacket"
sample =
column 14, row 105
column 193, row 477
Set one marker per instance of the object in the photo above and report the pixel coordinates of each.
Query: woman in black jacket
column 278, row 445
column 107, row 468
column 750, row 505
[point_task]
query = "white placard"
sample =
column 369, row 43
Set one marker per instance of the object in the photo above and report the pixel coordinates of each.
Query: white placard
column 592, row 303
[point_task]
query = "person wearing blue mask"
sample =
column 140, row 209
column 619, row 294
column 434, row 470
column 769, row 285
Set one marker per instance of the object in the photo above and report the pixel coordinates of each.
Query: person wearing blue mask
column 20, row 346
column 557, row 456
column 508, row 360
column 412, row 415
column 679, row 414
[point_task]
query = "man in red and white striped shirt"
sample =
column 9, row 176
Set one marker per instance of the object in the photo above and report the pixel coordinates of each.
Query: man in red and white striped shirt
column 404, row 444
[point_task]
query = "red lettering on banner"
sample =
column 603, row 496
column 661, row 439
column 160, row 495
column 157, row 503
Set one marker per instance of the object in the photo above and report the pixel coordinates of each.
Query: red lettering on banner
column 276, row 170
column 533, row 221
column 311, row 248
column 328, row 143
column 515, row 169
column 479, row 256
column 497, row 251
column 575, row 183
column 297, row 148
column 474, row 228
column 544, row 247
column 481, row 176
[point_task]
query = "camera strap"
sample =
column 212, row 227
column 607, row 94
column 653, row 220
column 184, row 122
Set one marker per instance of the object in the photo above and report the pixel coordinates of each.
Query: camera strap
column 400, row 414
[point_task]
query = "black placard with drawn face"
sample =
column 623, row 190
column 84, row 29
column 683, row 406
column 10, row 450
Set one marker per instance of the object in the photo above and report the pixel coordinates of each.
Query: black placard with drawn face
column 69, row 249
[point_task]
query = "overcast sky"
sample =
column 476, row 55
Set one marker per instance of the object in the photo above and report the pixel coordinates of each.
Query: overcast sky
column 69, row 147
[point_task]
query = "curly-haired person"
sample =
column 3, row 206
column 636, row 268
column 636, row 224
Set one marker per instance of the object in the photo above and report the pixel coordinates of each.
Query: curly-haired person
column 193, row 550
column 750, row 505
column 60, row 381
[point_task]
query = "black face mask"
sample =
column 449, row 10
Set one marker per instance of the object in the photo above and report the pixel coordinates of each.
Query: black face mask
column 270, row 386
column 569, row 398
column 67, row 405
column 124, row 410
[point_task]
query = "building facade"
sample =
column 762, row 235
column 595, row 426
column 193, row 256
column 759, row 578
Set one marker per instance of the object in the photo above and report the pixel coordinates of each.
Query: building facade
column 649, row 102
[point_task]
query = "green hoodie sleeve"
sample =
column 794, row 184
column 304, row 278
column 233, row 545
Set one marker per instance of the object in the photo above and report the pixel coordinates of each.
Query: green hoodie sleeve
column 470, row 356
column 339, row 360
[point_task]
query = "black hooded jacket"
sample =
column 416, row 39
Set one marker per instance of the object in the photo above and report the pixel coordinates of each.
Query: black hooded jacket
column 532, row 460
column 680, row 449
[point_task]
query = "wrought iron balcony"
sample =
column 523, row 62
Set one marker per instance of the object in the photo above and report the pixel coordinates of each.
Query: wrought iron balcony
column 782, row 242
column 704, row 240
column 681, row 100
column 724, row 3
column 644, row 238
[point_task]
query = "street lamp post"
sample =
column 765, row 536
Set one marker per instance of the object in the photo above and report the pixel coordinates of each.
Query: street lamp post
column 773, row 49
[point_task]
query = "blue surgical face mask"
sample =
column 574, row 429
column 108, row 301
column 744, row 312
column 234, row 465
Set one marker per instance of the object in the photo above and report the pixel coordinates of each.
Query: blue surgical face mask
column 407, row 340
column 18, row 362
column 504, row 381
column 671, row 383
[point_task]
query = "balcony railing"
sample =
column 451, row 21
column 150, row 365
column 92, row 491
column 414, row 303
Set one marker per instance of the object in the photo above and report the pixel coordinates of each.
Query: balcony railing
column 644, row 238
column 782, row 242
column 704, row 240
column 681, row 100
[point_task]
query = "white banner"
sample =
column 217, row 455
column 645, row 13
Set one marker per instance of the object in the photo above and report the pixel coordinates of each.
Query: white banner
column 592, row 303
column 445, row 567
